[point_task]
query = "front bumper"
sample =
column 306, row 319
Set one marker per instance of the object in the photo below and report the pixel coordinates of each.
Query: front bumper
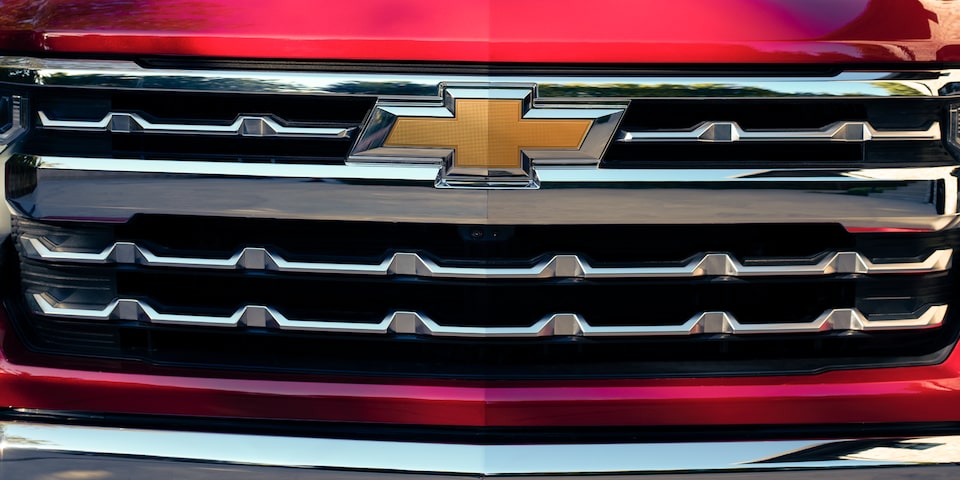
column 42, row 450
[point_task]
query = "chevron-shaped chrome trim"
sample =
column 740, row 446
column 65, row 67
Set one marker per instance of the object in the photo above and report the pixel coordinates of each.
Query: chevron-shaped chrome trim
column 561, row 324
column 245, row 125
column 559, row 266
column 732, row 132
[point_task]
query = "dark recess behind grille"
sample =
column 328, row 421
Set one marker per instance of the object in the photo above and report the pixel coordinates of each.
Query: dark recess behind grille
column 371, row 242
column 206, row 107
column 790, row 114
column 781, row 113
column 234, row 149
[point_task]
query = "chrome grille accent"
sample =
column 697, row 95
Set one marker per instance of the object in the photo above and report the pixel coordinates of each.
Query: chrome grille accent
column 554, row 325
column 559, row 266
column 731, row 132
column 245, row 126
column 953, row 129
column 919, row 198
column 120, row 74
column 15, row 127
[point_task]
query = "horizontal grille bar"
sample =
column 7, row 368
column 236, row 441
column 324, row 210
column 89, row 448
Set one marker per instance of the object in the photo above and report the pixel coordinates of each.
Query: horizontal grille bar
column 118, row 189
column 731, row 132
column 553, row 325
column 559, row 266
column 127, row 74
column 246, row 126
column 547, row 174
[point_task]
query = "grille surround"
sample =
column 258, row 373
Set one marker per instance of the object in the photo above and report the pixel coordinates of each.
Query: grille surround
column 90, row 171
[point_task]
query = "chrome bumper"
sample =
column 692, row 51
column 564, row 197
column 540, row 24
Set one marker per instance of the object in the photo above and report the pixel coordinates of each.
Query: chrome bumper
column 39, row 450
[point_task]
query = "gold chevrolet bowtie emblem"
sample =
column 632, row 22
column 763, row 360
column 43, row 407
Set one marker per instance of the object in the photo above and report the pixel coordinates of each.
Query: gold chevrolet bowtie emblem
column 486, row 137
column 488, row 134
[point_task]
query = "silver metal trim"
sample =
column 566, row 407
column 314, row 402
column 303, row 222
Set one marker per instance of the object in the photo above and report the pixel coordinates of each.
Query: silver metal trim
column 264, row 170
column 953, row 129
column 126, row 74
column 41, row 450
column 245, row 126
column 732, row 132
column 18, row 111
column 558, row 266
column 117, row 189
column 548, row 174
column 561, row 324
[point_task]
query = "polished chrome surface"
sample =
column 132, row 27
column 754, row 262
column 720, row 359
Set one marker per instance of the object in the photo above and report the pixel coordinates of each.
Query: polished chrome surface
column 732, row 132
column 953, row 132
column 401, row 173
column 17, row 122
column 245, row 125
column 558, row 266
column 127, row 74
column 561, row 324
column 118, row 189
column 36, row 450
column 548, row 174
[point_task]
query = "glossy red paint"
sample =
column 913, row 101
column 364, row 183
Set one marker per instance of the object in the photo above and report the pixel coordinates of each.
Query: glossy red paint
column 608, row 31
column 916, row 394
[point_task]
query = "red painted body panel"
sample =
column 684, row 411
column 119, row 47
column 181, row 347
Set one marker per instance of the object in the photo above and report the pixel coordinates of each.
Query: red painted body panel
column 914, row 394
column 615, row 31
column 609, row 31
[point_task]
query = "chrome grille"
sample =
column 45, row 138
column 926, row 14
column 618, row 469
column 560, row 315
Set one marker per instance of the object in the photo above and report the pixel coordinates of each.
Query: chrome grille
column 806, row 224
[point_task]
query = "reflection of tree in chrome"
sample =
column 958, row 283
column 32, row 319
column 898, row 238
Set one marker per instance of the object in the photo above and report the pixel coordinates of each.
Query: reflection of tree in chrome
column 922, row 450
column 174, row 82
column 385, row 88
column 13, row 440
column 659, row 90
column 720, row 90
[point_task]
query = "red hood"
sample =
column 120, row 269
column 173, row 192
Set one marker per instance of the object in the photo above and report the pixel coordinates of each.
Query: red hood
column 609, row 31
